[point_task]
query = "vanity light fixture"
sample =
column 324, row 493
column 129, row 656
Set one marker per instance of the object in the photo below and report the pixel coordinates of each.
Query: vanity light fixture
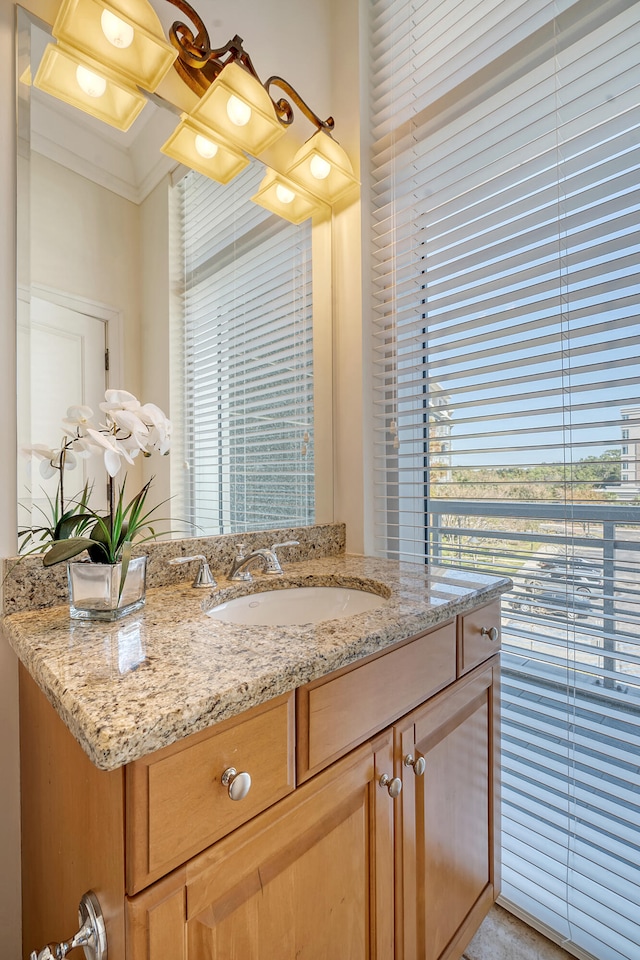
column 280, row 195
column 235, row 104
column 108, row 48
column 68, row 75
column 123, row 35
column 105, row 50
column 201, row 149
column 323, row 168
column 238, row 107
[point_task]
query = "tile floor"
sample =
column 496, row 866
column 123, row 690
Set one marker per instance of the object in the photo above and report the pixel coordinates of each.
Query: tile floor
column 504, row 937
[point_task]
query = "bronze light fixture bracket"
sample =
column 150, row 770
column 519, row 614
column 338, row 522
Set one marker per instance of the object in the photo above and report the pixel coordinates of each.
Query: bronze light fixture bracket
column 198, row 65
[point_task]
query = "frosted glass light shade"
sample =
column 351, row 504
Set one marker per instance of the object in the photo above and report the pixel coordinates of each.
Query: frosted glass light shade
column 143, row 61
column 57, row 74
column 118, row 32
column 278, row 194
column 261, row 129
column 322, row 167
column 225, row 161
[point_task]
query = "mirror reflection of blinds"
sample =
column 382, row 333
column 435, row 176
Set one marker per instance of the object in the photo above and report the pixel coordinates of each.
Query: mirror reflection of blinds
column 506, row 357
column 248, row 370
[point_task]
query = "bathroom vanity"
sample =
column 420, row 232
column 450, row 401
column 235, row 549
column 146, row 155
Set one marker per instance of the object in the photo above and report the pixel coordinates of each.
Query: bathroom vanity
column 370, row 826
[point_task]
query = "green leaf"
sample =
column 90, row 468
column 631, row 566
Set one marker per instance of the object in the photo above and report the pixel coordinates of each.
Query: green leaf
column 126, row 556
column 65, row 550
column 101, row 549
column 68, row 523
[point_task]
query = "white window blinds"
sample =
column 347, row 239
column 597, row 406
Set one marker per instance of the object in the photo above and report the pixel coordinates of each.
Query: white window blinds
column 506, row 335
column 247, row 384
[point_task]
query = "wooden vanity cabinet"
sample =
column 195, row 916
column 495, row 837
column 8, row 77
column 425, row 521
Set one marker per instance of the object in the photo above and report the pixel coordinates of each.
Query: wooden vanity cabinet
column 326, row 864
column 447, row 820
column 312, row 877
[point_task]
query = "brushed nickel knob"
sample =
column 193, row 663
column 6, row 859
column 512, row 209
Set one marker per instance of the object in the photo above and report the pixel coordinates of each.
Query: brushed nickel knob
column 419, row 764
column 238, row 784
column 493, row 633
column 394, row 786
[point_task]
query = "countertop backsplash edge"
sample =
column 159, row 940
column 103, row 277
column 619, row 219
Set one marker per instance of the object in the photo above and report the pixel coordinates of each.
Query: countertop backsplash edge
column 28, row 585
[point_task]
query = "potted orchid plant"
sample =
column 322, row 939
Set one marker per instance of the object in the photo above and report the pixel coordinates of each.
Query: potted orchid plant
column 110, row 582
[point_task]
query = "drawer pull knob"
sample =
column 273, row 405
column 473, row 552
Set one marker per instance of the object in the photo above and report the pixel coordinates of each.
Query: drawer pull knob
column 493, row 633
column 238, row 784
column 419, row 764
column 394, row 786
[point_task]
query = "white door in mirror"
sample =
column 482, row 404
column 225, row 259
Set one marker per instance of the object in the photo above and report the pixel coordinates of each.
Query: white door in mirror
column 62, row 359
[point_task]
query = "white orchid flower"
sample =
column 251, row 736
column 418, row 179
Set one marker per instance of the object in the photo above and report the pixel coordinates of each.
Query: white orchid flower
column 124, row 430
column 50, row 459
column 79, row 415
column 130, row 423
column 119, row 400
column 160, row 428
column 81, row 446
column 77, row 420
column 113, row 450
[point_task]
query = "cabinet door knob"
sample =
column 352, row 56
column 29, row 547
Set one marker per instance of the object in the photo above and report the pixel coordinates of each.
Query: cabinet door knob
column 419, row 764
column 394, row 786
column 493, row 633
column 238, row 784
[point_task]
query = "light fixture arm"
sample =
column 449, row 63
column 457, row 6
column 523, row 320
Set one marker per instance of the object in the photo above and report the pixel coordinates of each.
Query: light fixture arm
column 195, row 52
column 284, row 110
column 199, row 65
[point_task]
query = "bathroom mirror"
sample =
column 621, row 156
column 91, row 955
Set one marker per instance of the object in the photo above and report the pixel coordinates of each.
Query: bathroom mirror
column 97, row 253
column 81, row 189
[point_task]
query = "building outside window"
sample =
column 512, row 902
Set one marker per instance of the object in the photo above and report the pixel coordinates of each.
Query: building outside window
column 631, row 451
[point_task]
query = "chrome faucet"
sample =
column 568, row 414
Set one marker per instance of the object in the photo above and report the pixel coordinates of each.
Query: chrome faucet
column 267, row 557
column 204, row 577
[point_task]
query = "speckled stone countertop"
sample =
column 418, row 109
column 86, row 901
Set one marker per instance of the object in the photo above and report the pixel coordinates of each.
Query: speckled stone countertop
column 127, row 688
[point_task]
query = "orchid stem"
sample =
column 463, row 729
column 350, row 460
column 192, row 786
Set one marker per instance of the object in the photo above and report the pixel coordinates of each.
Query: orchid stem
column 111, row 492
column 63, row 454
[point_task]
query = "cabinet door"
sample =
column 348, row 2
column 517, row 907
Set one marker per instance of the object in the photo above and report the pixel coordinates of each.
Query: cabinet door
column 311, row 877
column 446, row 855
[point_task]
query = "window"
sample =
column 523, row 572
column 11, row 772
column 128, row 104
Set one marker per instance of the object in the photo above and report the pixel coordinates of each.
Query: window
column 246, row 371
column 505, row 219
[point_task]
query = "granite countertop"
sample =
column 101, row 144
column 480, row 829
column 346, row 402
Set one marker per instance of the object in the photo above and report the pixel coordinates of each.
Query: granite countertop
column 127, row 688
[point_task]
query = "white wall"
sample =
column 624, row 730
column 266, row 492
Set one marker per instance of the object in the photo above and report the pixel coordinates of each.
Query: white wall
column 353, row 461
column 156, row 328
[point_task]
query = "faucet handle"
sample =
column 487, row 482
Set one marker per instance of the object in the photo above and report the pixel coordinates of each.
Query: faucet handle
column 272, row 561
column 204, row 577
column 287, row 543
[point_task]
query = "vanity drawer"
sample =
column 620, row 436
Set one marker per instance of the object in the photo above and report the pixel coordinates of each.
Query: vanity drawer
column 334, row 715
column 176, row 802
column 479, row 636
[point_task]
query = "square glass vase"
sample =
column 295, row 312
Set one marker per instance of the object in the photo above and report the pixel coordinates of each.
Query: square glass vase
column 94, row 589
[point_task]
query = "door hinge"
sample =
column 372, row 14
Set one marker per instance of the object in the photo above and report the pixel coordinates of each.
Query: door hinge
column 106, row 359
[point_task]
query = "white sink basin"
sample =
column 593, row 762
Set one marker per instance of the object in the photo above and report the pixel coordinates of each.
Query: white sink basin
column 294, row 605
